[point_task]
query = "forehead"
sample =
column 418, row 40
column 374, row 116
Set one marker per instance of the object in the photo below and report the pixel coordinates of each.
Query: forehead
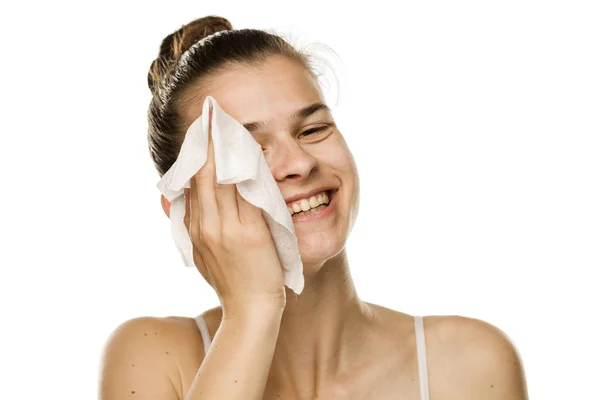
column 269, row 92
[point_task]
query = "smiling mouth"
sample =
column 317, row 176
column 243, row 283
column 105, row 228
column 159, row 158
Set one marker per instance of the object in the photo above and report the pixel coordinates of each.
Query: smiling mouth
column 330, row 194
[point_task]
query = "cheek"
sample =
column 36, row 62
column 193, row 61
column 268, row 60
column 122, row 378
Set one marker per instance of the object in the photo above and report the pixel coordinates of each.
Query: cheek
column 338, row 155
column 342, row 161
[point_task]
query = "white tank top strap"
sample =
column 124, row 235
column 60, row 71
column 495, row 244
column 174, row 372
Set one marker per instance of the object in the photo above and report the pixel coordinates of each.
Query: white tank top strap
column 420, row 341
column 421, row 357
column 204, row 332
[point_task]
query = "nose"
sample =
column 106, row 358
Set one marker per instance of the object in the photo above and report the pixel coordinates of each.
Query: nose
column 291, row 160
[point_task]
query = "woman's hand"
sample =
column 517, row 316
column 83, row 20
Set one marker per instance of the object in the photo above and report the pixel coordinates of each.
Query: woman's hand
column 233, row 247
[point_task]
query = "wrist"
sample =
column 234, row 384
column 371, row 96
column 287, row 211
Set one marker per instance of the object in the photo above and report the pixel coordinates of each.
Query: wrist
column 251, row 310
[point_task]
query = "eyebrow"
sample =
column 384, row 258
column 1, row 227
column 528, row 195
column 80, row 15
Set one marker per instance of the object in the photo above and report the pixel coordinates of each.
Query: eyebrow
column 302, row 113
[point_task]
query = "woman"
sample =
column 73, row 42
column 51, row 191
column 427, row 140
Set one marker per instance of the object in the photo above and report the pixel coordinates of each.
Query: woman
column 264, row 342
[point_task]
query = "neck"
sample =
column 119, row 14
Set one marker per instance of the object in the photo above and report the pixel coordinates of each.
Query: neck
column 321, row 330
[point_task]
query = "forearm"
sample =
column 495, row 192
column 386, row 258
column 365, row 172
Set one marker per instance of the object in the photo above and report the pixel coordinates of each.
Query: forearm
column 238, row 363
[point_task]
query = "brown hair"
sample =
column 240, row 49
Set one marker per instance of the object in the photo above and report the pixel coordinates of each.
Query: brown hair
column 190, row 56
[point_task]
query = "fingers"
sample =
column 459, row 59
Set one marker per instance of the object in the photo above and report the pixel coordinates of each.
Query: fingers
column 224, row 194
column 249, row 214
column 228, row 205
column 221, row 208
column 193, row 208
column 186, row 217
column 193, row 214
column 205, row 192
column 226, row 200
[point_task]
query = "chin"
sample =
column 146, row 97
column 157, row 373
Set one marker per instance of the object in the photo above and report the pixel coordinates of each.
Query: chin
column 315, row 250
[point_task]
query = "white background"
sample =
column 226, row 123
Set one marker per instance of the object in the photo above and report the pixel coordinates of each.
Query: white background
column 475, row 127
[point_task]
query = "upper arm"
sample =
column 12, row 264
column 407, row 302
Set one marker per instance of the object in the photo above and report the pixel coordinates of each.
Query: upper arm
column 482, row 363
column 136, row 364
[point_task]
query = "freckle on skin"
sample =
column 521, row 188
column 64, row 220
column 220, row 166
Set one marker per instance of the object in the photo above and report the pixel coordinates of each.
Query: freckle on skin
column 236, row 381
column 133, row 365
column 167, row 352
column 133, row 392
column 492, row 386
column 145, row 334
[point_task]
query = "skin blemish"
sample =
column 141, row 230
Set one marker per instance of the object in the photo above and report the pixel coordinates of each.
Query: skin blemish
column 133, row 365
column 236, row 381
column 145, row 334
column 133, row 392
column 167, row 352
column 492, row 386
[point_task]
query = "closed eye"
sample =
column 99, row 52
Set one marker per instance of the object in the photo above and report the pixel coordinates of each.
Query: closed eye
column 314, row 130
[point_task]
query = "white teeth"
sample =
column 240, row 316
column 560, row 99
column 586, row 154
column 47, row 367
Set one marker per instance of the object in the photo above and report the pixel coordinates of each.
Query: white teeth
column 305, row 205
column 314, row 202
column 308, row 205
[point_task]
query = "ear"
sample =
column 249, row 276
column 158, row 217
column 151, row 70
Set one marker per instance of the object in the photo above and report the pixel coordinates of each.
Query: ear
column 166, row 205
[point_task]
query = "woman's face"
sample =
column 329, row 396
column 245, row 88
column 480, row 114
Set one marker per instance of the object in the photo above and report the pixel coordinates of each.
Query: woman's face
column 304, row 152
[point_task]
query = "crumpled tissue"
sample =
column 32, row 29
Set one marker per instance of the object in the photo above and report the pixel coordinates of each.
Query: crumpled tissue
column 239, row 160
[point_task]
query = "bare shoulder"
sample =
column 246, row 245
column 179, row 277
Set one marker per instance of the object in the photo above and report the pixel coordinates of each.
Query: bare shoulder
column 149, row 356
column 470, row 359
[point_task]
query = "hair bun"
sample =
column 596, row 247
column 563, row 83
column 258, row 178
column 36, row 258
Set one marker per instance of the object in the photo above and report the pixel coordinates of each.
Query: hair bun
column 175, row 44
column 179, row 41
